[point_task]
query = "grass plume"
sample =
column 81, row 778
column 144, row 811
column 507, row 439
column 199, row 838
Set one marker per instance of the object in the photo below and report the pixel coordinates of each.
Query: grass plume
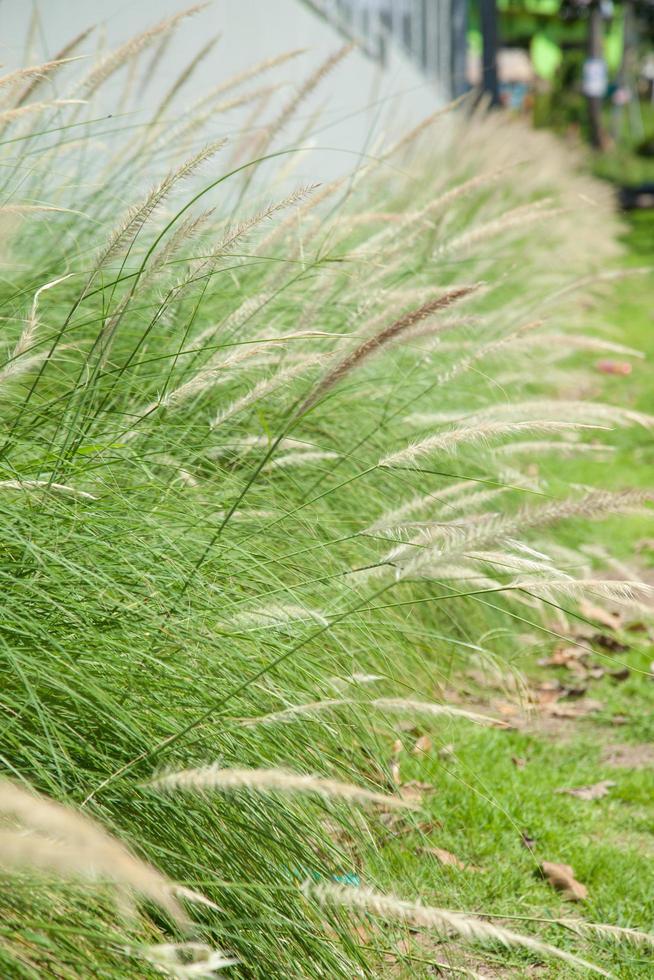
column 416, row 915
column 270, row 781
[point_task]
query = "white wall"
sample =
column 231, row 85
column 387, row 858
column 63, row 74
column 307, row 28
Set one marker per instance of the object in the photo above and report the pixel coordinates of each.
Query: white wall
column 358, row 102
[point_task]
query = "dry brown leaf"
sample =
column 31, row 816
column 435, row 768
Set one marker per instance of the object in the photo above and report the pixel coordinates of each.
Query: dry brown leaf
column 427, row 827
column 396, row 826
column 612, row 620
column 446, row 857
column 413, row 790
column 410, row 794
column 573, row 693
column 638, row 626
column 585, row 707
column 594, row 792
column 397, row 748
column 562, row 877
column 422, row 745
column 608, row 642
column 570, row 657
column 406, row 726
column 629, row 756
column 580, row 633
column 518, row 761
column 547, row 692
column 446, row 752
column 527, row 841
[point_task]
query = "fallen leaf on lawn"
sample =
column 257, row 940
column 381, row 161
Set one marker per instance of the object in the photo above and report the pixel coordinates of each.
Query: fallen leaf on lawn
column 562, row 877
column 547, row 693
column 608, row 642
column 518, row 761
column 585, row 707
column 574, row 692
column 594, row 792
column 446, row 857
column 619, row 720
column 446, row 752
column 619, row 675
column 527, row 841
column 546, row 686
column 506, row 709
column 413, row 790
column 630, row 756
column 637, row 627
column 397, row 825
column 622, row 368
column 397, row 748
column 577, row 668
column 421, row 787
column 612, row 620
column 409, row 727
column 566, row 656
column 550, row 691
column 565, row 711
column 581, row 633
column 427, row 827
column 422, row 745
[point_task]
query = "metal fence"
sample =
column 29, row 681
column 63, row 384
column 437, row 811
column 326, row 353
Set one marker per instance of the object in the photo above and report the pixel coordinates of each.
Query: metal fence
column 431, row 32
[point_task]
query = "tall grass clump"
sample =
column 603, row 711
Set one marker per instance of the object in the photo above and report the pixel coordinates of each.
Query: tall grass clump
column 266, row 458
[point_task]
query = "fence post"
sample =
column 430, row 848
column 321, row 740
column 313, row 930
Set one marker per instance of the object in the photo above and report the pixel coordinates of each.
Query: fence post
column 459, row 46
column 490, row 82
column 594, row 93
